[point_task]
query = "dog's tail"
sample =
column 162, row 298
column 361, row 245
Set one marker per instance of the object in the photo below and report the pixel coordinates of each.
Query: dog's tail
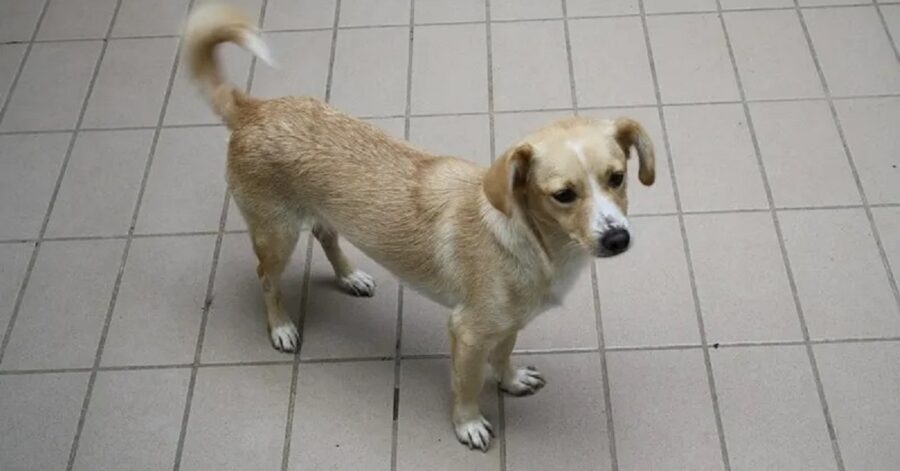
column 208, row 26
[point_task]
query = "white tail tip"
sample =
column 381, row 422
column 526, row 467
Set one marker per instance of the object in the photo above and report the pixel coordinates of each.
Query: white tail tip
column 258, row 47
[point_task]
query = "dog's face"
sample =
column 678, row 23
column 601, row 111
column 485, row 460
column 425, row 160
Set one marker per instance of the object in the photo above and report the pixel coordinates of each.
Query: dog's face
column 571, row 179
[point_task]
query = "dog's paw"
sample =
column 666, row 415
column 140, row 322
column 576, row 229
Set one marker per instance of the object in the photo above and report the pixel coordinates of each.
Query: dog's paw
column 475, row 433
column 525, row 381
column 358, row 283
column 285, row 337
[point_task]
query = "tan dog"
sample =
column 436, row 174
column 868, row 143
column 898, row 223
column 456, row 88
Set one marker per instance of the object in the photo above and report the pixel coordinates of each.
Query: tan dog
column 497, row 245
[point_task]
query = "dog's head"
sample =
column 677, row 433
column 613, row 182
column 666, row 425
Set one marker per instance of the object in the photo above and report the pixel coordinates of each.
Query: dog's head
column 570, row 179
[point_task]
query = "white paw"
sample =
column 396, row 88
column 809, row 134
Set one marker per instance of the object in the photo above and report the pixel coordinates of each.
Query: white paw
column 523, row 382
column 475, row 433
column 285, row 338
column 358, row 283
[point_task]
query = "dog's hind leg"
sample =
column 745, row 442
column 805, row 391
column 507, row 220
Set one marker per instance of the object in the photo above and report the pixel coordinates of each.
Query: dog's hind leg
column 354, row 281
column 274, row 245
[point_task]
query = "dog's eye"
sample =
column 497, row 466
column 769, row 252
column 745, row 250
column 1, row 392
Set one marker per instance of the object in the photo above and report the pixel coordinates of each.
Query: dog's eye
column 616, row 180
column 567, row 195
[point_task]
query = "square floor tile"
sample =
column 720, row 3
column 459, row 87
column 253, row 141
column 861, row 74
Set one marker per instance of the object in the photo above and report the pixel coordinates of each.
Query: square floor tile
column 770, row 409
column 38, row 417
column 10, row 60
column 772, row 55
column 75, row 20
column 741, row 280
column 740, row 4
column 52, row 87
column 449, row 11
column 530, row 66
column 29, row 169
column 449, row 79
column 467, row 137
column 524, row 9
column 611, row 76
column 425, row 328
column 841, row 281
column 659, row 197
column 645, row 293
column 187, row 103
column 691, row 58
column 342, row 416
column 14, row 260
column 301, row 71
column 802, row 151
column 564, row 425
column 101, row 184
column 237, row 418
column 849, row 41
column 236, row 329
column 875, row 147
column 425, row 438
column 370, row 67
column 669, row 6
column 366, row 13
column 18, row 19
column 149, row 17
column 186, row 186
column 510, row 128
column 608, row 7
column 715, row 163
column 861, row 385
column 338, row 325
column 571, row 324
column 65, row 305
column 134, row 418
column 160, row 304
column 888, row 222
column 132, row 82
column 294, row 14
column 662, row 398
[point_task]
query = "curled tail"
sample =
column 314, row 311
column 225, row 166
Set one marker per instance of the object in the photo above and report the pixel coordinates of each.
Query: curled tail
column 208, row 26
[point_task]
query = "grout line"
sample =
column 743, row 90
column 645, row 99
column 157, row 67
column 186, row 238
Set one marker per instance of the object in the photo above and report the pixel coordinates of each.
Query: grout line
column 15, row 81
column 73, row 450
column 595, row 291
column 490, row 87
column 633, row 216
column 20, row 294
column 840, row 129
column 751, row 129
column 604, row 369
column 687, row 249
column 488, row 41
column 483, row 113
column 444, row 356
column 398, row 331
column 307, row 269
column 887, row 30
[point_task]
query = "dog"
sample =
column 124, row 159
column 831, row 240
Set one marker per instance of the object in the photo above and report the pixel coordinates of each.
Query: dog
column 498, row 245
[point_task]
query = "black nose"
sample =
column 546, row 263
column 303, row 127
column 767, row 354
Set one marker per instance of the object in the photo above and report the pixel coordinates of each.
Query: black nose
column 615, row 240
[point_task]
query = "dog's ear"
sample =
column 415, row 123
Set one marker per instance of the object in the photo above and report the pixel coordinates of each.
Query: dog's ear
column 630, row 133
column 508, row 175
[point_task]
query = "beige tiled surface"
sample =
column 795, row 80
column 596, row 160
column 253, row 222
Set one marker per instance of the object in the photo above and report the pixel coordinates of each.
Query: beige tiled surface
column 684, row 360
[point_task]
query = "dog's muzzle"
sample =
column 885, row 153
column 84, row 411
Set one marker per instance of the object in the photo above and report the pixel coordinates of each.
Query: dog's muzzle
column 613, row 242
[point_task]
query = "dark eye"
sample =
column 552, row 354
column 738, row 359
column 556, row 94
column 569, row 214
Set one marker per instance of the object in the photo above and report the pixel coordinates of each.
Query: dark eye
column 565, row 196
column 616, row 180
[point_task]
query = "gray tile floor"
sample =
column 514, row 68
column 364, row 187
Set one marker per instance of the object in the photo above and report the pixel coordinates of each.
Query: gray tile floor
column 755, row 324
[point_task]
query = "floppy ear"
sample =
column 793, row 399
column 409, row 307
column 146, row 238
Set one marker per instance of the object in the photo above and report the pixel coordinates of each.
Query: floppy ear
column 508, row 174
column 630, row 133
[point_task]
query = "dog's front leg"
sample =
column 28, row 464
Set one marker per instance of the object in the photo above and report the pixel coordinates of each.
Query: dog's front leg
column 469, row 352
column 516, row 381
